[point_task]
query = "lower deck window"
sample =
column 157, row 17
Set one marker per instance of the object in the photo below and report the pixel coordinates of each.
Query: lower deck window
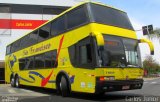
column 45, row 60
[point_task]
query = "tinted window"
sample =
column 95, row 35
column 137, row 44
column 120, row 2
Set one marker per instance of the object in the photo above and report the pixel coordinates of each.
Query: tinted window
column 81, row 54
column 31, row 63
column 58, row 26
column 22, row 63
column 85, row 54
column 72, row 54
column 39, row 61
column 76, row 17
column 24, row 41
column 45, row 60
column 33, row 38
column 8, row 50
column 50, row 59
column 110, row 16
column 15, row 46
column 44, row 32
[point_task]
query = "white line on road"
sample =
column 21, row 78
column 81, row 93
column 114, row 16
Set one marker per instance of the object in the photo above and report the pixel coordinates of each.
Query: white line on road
column 11, row 91
column 26, row 90
column 145, row 82
column 153, row 82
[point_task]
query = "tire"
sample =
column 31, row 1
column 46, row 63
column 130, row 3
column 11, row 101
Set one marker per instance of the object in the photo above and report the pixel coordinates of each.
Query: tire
column 64, row 87
column 17, row 84
column 12, row 81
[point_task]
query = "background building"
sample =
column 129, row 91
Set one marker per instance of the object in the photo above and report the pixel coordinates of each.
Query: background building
column 18, row 17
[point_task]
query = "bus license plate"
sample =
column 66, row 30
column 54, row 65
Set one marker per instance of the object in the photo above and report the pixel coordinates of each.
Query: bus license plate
column 125, row 87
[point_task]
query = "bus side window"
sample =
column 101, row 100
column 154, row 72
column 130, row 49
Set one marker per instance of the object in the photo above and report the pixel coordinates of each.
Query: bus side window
column 8, row 50
column 31, row 63
column 39, row 61
column 24, row 42
column 76, row 17
column 50, row 59
column 72, row 54
column 44, row 32
column 58, row 26
column 33, row 38
column 85, row 55
column 26, row 63
column 54, row 56
column 22, row 63
column 81, row 54
column 15, row 46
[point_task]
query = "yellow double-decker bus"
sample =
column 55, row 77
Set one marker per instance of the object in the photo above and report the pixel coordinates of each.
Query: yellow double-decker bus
column 90, row 48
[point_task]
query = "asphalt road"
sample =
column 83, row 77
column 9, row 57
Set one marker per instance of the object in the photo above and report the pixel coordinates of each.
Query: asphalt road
column 149, row 93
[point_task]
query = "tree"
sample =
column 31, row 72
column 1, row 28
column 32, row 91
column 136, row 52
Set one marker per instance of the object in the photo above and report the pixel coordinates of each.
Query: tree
column 151, row 65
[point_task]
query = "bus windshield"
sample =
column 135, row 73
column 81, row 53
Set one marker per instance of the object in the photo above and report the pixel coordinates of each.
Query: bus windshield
column 110, row 16
column 120, row 52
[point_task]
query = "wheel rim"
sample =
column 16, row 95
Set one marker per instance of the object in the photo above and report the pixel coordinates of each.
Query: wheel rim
column 60, row 86
column 17, row 82
column 12, row 81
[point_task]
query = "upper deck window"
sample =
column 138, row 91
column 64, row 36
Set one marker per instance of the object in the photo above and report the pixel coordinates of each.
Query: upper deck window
column 77, row 17
column 58, row 26
column 44, row 32
column 110, row 16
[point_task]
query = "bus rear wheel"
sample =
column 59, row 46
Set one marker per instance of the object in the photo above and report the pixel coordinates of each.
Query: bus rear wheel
column 64, row 87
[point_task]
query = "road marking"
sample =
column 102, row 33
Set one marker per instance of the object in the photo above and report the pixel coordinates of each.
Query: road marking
column 26, row 90
column 11, row 91
column 145, row 82
column 153, row 82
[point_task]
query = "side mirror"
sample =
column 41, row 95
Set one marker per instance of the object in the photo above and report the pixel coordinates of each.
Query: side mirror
column 151, row 46
column 100, row 40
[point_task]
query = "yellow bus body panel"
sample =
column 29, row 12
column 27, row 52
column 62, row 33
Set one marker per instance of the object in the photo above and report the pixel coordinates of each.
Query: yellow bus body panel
column 84, row 79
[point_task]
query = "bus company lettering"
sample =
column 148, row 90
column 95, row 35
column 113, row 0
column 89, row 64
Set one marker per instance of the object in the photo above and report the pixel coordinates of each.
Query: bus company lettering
column 41, row 48
column 25, row 52
column 38, row 49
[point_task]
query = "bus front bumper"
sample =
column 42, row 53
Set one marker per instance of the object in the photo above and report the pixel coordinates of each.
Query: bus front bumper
column 118, row 85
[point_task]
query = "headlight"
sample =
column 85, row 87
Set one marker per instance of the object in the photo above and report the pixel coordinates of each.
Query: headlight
column 140, row 77
column 106, row 78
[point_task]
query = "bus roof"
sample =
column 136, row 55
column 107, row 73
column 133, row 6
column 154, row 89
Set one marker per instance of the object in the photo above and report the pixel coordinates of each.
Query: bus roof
column 65, row 13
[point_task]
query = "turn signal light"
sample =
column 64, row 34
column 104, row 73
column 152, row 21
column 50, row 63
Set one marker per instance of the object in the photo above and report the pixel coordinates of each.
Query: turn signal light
column 102, row 78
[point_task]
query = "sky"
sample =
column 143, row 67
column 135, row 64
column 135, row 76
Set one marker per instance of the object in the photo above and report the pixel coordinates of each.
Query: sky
column 141, row 12
column 144, row 11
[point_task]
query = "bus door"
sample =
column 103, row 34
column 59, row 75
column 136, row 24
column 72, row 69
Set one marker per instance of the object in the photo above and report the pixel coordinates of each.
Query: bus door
column 84, row 71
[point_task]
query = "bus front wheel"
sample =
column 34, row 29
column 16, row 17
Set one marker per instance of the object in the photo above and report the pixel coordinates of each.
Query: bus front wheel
column 17, row 84
column 64, row 87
